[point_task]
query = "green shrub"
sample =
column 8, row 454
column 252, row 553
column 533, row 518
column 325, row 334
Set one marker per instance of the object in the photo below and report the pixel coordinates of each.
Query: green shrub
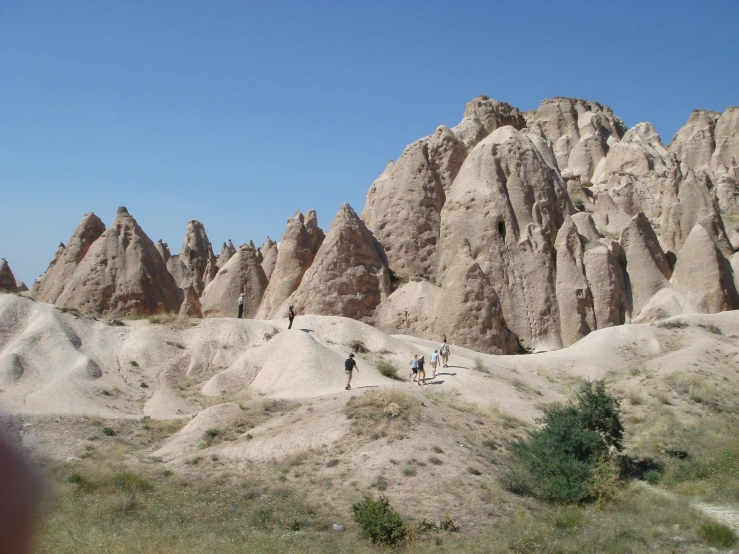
column 562, row 457
column 378, row 521
column 517, row 480
column 270, row 334
column 128, row 481
column 579, row 204
column 107, row 431
column 710, row 328
column 652, row 476
column 387, row 369
column 717, row 535
column 358, row 347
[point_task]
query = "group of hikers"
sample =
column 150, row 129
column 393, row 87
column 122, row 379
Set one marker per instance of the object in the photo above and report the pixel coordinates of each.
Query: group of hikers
column 418, row 370
column 290, row 311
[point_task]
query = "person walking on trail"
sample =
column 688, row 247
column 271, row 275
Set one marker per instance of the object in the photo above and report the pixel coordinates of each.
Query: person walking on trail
column 414, row 367
column 421, row 370
column 434, row 362
column 290, row 316
column 241, row 306
column 349, row 366
column 444, row 351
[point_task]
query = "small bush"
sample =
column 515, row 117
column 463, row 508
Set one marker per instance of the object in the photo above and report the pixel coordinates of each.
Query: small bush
column 603, row 484
column 380, row 483
column 383, row 404
column 144, row 386
column 271, row 334
column 447, row 524
column 433, row 460
column 479, row 365
column 128, row 481
column 108, row 432
column 410, row 471
column 387, row 369
column 717, row 535
column 134, row 363
column 711, row 328
column 652, row 476
column 579, row 204
column 474, row 471
column 358, row 347
column 378, row 521
column 332, row 462
column 673, row 324
column 82, row 482
column 517, row 480
column 437, row 449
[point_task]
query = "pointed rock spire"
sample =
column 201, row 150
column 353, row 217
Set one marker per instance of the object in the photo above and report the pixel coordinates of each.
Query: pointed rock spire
column 61, row 270
column 7, row 279
column 269, row 256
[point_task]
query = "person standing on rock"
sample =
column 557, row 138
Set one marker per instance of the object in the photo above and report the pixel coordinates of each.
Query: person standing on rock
column 290, row 316
column 349, row 366
column 421, row 370
column 241, row 306
column 434, row 362
column 444, row 351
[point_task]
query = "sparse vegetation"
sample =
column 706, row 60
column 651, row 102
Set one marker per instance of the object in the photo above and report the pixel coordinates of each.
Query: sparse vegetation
column 579, row 204
column 269, row 335
column 383, row 404
column 479, row 365
column 711, row 328
column 134, row 363
column 717, row 535
column 378, row 521
column 387, row 369
column 358, row 346
column 108, row 432
column 564, row 456
column 674, row 324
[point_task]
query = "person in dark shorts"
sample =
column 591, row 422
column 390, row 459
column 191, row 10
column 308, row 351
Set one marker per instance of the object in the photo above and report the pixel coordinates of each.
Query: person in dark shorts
column 290, row 316
column 349, row 365
column 421, row 371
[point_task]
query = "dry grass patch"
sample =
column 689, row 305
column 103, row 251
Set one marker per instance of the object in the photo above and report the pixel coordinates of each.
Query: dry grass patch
column 383, row 405
column 494, row 413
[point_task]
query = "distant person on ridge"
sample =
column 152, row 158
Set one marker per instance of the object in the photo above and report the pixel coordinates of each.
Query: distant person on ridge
column 444, row 351
column 290, row 316
column 421, row 370
column 241, row 306
column 349, row 365
column 434, row 362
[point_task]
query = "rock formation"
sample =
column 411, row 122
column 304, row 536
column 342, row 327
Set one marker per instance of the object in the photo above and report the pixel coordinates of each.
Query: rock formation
column 7, row 279
column 242, row 274
column 349, row 276
column 121, row 273
column 189, row 266
column 298, row 248
column 227, row 251
column 21, row 286
column 62, row 268
column 269, row 253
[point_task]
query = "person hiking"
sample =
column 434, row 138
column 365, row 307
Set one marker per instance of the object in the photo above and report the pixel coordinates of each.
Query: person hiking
column 290, row 316
column 421, row 370
column 414, row 367
column 241, row 306
column 444, row 351
column 349, row 365
column 434, row 362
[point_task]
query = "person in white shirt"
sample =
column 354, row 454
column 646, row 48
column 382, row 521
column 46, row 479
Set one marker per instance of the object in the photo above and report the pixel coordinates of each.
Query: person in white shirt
column 444, row 351
column 241, row 306
column 434, row 362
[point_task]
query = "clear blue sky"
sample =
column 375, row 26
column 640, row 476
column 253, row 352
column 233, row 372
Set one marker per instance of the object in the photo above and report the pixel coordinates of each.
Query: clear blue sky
column 239, row 113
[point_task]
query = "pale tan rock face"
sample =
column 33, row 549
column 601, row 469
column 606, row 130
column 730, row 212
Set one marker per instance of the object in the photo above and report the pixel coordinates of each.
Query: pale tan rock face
column 607, row 284
column 163, row 249
column 349, row 275
column 725, row 158
column 60, row 271
column 686, row 201
column 580, row 132
column 121, row 273
column 21, row 286
column 242, row 274
column 608, row 217
column 189, row 266
column 647, row 268
column 403, row 205
column 468, row 311
column 694, row 143
column 508, row 204
column 269, row 256
column 227, row 251
column 298, row 248
column 493, row 114
column 575, row 299
column 7, row 279
column 702, row 274
column 189, row 302
column 637, row 170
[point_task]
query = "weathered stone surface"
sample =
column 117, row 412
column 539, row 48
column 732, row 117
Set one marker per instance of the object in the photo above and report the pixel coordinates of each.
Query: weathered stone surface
column 163, row 249
column 725, row 158
column 227, row 251
column 580, row 127
column 694, row 143
column 608, row 217
column 298, row 249
column 7, row 279
column 349, row 275
column 60, row 271
column 122, row 273
column 242, row 274
column 189, row 267
column 575, row 299
column 508, row 204
column 189, row 302
column 607, row 284
column 493, row 114
column 703, row 276
column 269, row 252
column 469, row 312
column 647, row 268
column 21, row 286
column 403, row 205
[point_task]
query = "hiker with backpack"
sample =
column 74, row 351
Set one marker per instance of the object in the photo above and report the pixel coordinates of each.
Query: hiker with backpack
column 444, row 351
column 414, row 368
